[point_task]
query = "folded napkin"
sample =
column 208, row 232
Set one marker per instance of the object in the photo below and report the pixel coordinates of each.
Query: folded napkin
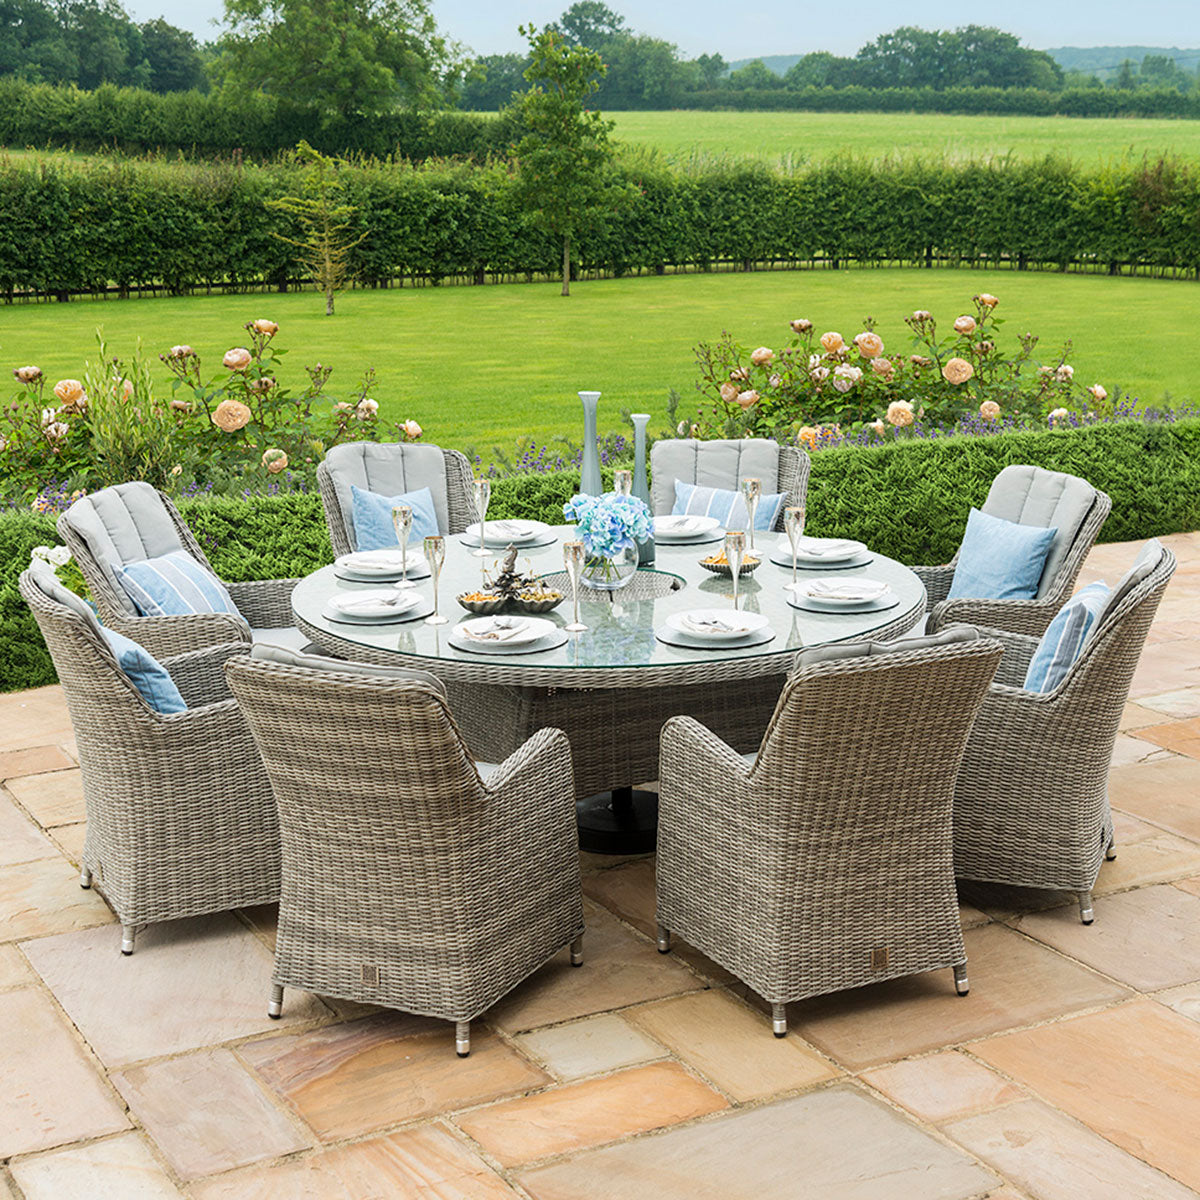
column 694, row 623
column 673, row 524
column 831, row 548
column 508, row 529
column 381, row 560
column 501, row 629
column 844, row 589
column 373, row 601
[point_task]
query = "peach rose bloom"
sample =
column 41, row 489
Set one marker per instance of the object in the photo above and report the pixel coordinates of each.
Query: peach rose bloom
column 844, row 377
column 177, row 469
column 341, row 407
column 69, row 392
column 237, row 359
column 1065, row 373
column 984, row 347
column 412, row 429
column 965, row 324
column 957, row 370
column 819, row 374
column 1098, row 393
column 775, row 380
column 366, row 408
column 883, row 367
column 265, row 384
column 762, row 356
column 878, row 427
column 987, row 300
column 922, row 315
column 1045, row 370
column 1059, row 414
column 899, row 413
column 808, row 434
column 740, row 374
column 729, row 393
column 56, row 431
column 30, row 374
column 275, row 461
column 231, row 415
column 125, row 388
column 832, row 342
column 870, row 345
column 919, row 360
column 182, row 406
column 989, row 410
column 801, row 325
column 181, row 351
column 266, row 328
column 747, row 399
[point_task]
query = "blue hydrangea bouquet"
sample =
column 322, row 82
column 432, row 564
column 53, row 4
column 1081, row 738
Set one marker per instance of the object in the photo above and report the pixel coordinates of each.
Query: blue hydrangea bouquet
column 610, row 527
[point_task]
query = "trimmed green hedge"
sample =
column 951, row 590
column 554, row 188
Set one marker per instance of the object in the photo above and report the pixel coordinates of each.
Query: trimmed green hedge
column 908, row 500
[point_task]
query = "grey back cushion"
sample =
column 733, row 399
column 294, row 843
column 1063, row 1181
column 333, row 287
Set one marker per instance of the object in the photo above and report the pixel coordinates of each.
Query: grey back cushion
column 1047, row 499
column 718, row 464
column 1150, row 555
column 42, row 573
column 388, row 469
column 266, row 652
column 847, row 650
column 124, row 524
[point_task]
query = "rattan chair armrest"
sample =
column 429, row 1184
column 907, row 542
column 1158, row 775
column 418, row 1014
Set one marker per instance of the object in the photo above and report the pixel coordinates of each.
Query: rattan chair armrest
column 937, row 581
column 690, row 751
column 1017, row 616
column 200, row 674
column 541, row 767
column 265, row 603
column 165, row 637
column 1019, row 649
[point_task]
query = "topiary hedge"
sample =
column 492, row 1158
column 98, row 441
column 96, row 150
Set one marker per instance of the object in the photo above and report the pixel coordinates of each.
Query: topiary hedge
column 908, row 499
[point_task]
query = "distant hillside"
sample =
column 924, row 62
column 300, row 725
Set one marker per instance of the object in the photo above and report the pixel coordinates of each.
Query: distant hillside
column 779, row 63
column 1105, row 61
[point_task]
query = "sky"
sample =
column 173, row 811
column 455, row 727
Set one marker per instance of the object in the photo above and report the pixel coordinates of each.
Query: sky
column 760, row 27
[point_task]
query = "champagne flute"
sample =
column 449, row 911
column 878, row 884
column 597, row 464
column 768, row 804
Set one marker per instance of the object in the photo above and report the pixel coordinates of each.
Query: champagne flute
column 402, row 519
column 752, row 490
column 481, row 491
column 623, row 482
column 435, row 552
column 573, row 556
column 793, row 522
column 735, row 550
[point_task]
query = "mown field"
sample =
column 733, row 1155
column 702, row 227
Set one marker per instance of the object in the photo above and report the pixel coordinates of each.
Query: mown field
column 482, row 366
column 783, row 137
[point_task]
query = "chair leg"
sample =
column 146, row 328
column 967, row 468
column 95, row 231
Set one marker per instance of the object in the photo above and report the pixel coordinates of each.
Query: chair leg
column 664, row 940
column 577, row 952
column 275, row 1004
column 1085, row 908
column 1111, row 852
column 779, row 1020
column 961, row 985
column 128, row 934
column 85, row 877
column 462, row 1038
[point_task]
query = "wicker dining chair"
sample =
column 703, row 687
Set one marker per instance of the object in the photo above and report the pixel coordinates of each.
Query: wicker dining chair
column 1031, row 803
column 1027, row 496
column 825, row 861
column 130, row 522
column 724, row 464
column 180, row 816
column 413, row 877
column 390, row 469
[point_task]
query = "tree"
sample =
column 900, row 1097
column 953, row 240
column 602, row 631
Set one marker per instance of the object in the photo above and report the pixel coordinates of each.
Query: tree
column 341, row 57
column 324, row 249
column 754, row 74
column 176, row 64
column 491, row 81
column 591, row 24
column 564, row 163
column 711, row 68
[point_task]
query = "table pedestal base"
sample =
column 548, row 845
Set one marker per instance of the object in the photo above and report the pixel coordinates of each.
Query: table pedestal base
column 623, row 821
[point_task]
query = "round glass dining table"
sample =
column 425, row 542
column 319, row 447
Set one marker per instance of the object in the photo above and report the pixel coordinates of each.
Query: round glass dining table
column 612, row 686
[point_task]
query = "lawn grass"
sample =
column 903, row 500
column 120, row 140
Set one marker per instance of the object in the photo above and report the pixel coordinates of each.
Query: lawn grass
column 793, row 138
column 483, row 365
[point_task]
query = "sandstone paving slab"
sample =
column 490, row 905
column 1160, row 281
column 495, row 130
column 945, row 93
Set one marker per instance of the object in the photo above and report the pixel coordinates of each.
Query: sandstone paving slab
column 1192, row 886
column 1182, row 704
column 589, row 1113
column 1136, row 715
column 353, row 1078
column 1133, row 748
column 120, row 1168
column 44, row 897
column 943, row 1087
column 55, row 798
column 1055, row 1158
column 833, row 1144
column 1148, row 938
column 619, row 969
column 1158, row 858
column 1163, row 793
column 1131, row 1073
column 70, row 839
column 206, row 1114
column 190, row 983
column 14, row 970
column 1180, row 737
column 590, row 1046
column 423, row 1163
column 1166, row 667
column 50, row 1093
column 20, row 839
column 264, row 920
column 32, row 761
column 34, row 718
column 732, row 1045
column 1014, row 982
column 1184, row 1000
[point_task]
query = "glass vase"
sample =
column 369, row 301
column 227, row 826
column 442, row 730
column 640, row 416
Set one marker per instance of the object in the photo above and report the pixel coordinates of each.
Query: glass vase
column 641, row 485
column 604, row 574
column 589, row 482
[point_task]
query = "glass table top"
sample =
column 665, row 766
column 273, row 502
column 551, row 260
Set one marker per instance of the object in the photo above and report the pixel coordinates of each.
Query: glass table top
column 621, row 629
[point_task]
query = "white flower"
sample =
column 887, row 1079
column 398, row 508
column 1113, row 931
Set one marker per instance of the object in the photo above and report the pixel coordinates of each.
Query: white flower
column 366, row 408
column 56, row 556
column 845, row 377
column 814, row 361
column 819, row 374
column 1099, row 394
column 412, row 429
column 1059, row 414
column 1064, row 373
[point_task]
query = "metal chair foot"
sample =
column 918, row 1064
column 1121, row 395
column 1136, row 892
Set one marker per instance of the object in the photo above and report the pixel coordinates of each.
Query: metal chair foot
column 779, row 1020
column 128, row 935
column 1086, row 915
column 1111, row 852
column 664, row 940
column 85, row 877
column 275, row 1004
column 577, row 952
column 961, row 985
column 462, row 1038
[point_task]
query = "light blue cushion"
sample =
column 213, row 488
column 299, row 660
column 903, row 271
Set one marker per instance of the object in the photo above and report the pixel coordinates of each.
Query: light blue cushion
column 1062, row 642
column 999, row 559
column 146, row 674
column 728, row 507
column 373, row 528
column 174, row 585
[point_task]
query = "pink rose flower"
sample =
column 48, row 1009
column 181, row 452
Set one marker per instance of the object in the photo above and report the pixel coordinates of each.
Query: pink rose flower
column 1098, row 393
column 883, row 367
column 1065, row 373
column 29, row 374
column 266, row 328
column 237, row 359
column 987, row 300
column 878, row 428
column 965, row 324
column 729, row 393
column 1058, row 415
column 801, row 325
column 747, row 399
column 819, row 374
column 870, row 345
column 181, row 351
column 845, row 377
column 412, row 430
column 740, row 374
column 921, row 316
column 231, row 415
column 69, row 393
column 762, row 356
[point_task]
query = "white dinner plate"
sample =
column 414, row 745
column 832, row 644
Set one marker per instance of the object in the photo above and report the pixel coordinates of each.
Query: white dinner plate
column 820, row 551
column 374, row 602
column 527, row 629
column 674, row 527
column 501, row 533
column 742, row 623
column 379, row 564
column 839, row 593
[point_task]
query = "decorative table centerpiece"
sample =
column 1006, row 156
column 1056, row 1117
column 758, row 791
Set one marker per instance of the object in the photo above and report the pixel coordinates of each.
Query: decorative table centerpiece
column 610, row 527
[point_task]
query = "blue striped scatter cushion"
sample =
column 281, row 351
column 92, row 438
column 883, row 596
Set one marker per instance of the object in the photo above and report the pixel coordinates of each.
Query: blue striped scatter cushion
column 146, row 673
column 728, row 507
column 174, row 585
column 1062, row 642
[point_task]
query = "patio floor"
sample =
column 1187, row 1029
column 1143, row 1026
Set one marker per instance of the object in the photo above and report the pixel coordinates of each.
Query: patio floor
column 1070, row 1072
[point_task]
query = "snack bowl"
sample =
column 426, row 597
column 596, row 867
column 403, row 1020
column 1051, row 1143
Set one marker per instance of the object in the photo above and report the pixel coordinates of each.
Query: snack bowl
column 539, row 600
column 483, row 604
column 719, row 565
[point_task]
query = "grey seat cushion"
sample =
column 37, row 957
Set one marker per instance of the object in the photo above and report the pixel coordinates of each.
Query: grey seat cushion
column 718, row 464
column 1150, row 555
column 847, row 650
column 123, row 524
column 266, row 652
column 42, row 573
column 388, row 469
column 287, row 636
column 1046, row 499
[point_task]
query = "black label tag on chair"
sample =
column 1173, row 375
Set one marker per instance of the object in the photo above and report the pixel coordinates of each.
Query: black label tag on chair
column 879, row 958
column 370, row 976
